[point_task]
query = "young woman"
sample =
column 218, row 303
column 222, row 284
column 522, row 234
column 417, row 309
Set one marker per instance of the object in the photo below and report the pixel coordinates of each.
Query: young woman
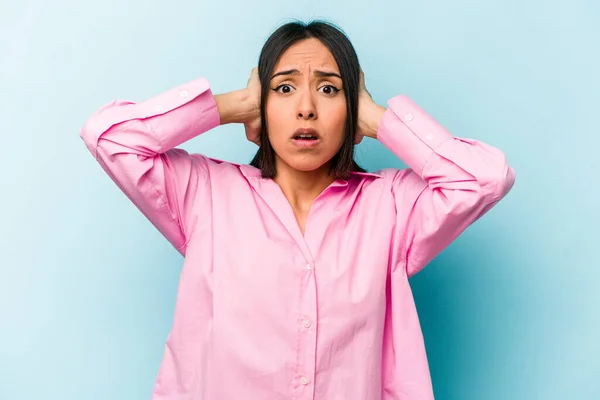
column 295, row 280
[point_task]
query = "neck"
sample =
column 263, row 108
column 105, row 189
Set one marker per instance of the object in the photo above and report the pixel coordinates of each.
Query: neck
column 301, row 188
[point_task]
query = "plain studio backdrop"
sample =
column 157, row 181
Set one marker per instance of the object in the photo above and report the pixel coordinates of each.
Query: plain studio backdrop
column 510, row 311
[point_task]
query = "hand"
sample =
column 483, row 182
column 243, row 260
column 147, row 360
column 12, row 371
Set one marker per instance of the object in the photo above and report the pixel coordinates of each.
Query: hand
column 369, row 113
column 242, row 107
column 253, row 123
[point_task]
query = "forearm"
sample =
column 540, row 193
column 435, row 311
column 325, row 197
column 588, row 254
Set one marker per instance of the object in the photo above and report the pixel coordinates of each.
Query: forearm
column 155, row 125
column 443, row 161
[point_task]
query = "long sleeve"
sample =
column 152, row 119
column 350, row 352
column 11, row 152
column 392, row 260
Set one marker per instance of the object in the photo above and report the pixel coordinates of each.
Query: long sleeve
column 450, row 183
column 136, row 145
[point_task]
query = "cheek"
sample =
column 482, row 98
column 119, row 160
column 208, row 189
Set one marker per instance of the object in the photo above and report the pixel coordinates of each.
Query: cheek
column 277, row 116
column 337, row 120
column 278, row 122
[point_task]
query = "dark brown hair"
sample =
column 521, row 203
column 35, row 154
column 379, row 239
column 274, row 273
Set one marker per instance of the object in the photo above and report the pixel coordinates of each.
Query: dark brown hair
column 347, row 60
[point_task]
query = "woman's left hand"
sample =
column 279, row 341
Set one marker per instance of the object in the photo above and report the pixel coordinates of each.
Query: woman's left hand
column 369, row 113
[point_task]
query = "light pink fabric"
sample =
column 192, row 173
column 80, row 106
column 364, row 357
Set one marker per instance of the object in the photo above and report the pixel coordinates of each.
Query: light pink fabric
column 265, row 313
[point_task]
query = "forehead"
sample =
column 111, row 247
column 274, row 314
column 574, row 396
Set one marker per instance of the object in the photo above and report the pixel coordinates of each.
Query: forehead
column 307, row 54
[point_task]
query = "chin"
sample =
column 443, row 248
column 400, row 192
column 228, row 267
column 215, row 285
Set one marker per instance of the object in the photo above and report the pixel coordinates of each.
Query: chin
column 306, row 165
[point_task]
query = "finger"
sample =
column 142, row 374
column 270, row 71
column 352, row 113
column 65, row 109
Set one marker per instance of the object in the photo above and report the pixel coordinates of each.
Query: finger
column 358, row 138
column 252, row 136
column 253, row 73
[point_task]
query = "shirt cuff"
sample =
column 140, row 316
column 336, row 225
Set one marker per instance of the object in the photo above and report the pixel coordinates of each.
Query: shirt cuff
column 171, row 118
column 410, row 132
column 181, row 113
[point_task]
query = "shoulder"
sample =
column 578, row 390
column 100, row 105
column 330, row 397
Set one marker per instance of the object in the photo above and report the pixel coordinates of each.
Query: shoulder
column 387, row 176
column 394, row 180
column 230, row 169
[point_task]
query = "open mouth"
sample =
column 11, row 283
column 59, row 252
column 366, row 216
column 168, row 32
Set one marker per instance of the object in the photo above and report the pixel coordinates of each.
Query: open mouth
column 305, row 137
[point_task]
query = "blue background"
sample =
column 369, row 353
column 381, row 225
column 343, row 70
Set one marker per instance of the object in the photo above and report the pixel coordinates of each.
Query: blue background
column 87, row 287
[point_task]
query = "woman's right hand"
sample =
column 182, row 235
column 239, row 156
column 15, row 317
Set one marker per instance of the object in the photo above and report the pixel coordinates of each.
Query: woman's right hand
column 253, row 123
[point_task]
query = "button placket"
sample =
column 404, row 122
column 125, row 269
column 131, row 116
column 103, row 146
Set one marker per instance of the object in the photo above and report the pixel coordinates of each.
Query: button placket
column 306, row 329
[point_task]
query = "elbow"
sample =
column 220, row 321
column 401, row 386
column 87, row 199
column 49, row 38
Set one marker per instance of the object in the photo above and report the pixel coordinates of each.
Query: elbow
column 498, row 180
column 489, row 183
column 97, row 124
column 486, row 183
column 483, row 196
column 90, row 135
column 506, row 183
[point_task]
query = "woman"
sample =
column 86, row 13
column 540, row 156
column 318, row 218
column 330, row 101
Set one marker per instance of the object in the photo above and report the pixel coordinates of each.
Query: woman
column 295, row 280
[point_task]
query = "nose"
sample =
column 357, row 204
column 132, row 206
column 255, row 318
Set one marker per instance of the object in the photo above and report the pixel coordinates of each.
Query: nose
column 306, row 107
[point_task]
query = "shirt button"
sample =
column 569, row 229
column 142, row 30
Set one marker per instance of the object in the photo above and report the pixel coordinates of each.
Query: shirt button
column 304, row 380
column 306, row 323
column 158, row 108
column 429, row 136
column 184, row 93
column 409, row 117
column 308, row 266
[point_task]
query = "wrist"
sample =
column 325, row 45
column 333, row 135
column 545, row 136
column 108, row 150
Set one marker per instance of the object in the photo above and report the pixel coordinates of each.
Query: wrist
column 374, row 120
column 235, row 107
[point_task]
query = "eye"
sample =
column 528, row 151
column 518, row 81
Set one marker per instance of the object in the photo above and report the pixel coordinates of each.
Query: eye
column 329, row 89
column 284, row 89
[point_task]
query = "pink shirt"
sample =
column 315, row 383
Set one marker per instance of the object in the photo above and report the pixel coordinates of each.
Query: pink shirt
column 264, row 312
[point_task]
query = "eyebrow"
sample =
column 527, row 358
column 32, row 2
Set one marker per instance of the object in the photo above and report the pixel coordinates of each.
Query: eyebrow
column 317, row 73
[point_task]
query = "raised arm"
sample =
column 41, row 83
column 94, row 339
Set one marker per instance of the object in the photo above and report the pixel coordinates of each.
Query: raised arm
column 135, row 143
column 450, row 183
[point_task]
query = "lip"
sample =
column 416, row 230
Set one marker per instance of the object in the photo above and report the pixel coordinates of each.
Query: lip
column 306, row 131
column 305, row 144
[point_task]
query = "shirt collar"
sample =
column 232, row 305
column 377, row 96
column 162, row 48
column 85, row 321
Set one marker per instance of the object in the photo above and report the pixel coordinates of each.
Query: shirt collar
column 250, row 171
